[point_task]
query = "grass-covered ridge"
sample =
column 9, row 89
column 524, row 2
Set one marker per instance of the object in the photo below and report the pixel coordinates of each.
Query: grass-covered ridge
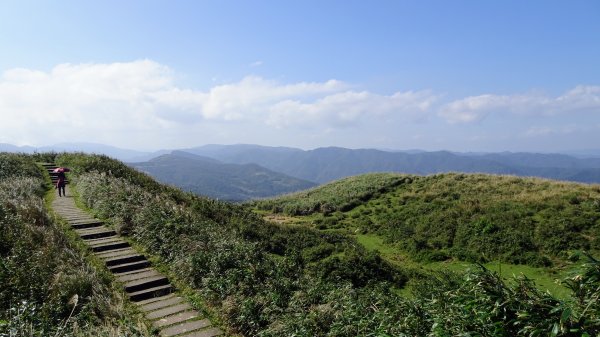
column 341, row 195
column 47, row 286
column 270, row 280
column 473, row 217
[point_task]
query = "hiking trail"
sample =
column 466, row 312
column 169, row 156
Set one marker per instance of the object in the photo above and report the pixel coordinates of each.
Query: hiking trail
column 150, row 290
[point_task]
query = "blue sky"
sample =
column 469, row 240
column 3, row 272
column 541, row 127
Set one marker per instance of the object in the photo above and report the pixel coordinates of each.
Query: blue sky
column 455, row 75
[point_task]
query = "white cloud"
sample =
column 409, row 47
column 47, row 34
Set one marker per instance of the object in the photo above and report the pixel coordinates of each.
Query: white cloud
column 113, row 102
column 252, row 97
column 349, row 107
column 475, row 108
column 139, row 105
column 96, row 100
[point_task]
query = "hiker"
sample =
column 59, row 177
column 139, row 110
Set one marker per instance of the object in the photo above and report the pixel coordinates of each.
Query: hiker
column 60, row 183
column 62, row 180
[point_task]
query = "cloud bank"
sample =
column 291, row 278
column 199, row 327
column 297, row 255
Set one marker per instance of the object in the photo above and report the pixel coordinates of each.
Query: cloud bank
column 475, row 108
column 139, row 104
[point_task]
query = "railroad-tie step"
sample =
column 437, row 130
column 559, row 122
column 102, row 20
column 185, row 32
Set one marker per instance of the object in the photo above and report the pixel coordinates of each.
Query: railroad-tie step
column 123, row 259
column 161, row 304
column 83, row 225
column 211, row 332
column 137, row 275
column 74, row 217
column 176, row 330
column 78, row 222
column 129, row 266
column 168, row 311
column 115, row 253
column 135, row 271
column 155, row 299
column 177, row 318
column 97, row 234
column 146, row 283
column 78, row 217
column 72, row 212
column 107, row 246
column 151, row 293
column 95, row 242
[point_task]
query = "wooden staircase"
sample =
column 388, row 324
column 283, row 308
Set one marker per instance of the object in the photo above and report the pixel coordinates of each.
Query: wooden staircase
column 170, row 313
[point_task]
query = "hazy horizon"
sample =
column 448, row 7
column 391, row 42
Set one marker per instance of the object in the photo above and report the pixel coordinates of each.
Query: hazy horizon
column 88, row 146
column 459, row 76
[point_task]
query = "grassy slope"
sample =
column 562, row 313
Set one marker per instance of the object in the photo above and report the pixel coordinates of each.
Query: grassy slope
column 415, row 221
column 549, row 279
column 471, row 217
column 270, row 280
column 47, row 283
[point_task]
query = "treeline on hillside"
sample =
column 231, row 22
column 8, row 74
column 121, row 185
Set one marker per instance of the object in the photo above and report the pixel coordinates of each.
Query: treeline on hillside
column 47, row 288
column 268, row 280
column 472, row 217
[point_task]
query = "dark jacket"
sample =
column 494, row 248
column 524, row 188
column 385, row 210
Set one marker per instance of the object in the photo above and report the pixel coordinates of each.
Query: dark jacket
column 61, row 179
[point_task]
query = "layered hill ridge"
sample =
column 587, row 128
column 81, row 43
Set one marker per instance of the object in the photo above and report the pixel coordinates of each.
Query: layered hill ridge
column 331, row 163
column 210, row 177
column 326, row 164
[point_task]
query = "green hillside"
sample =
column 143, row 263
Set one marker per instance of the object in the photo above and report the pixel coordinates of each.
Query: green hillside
column 264, row 279
column 472, row 217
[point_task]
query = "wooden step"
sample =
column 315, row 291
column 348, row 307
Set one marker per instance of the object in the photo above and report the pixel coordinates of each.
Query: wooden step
column 146, row 283
column 135, row 272
column 211, row 332
column 90, row 224
column 186, row 327
column 123, row 259
column 177, row 318
column 116, row 252
column 111, row 245
column 151, row 293
column 161, row 304
column 129, row 266
column 155, row 299
column 96, row 234
column 125, row 277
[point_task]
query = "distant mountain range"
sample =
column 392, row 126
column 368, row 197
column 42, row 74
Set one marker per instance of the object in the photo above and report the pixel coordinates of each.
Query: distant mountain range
column 326, row 164
column 210, row 177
